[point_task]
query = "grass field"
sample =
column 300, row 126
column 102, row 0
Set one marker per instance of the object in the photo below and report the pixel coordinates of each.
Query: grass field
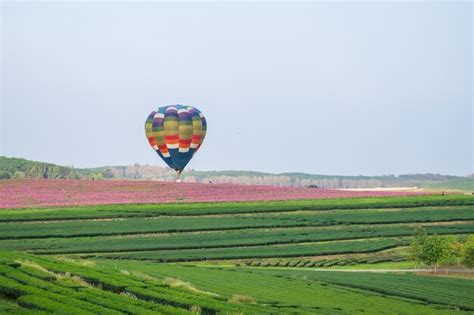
column 229, row 257
column 460, row 184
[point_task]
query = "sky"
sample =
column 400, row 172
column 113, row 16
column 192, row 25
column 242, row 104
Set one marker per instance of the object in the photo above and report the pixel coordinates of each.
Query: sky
column 354, row 88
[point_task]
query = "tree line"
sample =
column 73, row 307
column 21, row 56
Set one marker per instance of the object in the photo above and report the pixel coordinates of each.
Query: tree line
column 21, row 168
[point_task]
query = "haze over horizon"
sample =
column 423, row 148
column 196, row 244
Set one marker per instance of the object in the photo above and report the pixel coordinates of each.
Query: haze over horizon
column 338, row 89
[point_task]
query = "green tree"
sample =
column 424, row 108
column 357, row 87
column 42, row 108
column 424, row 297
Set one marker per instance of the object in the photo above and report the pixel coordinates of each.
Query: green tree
column 416, row 248
column 468, row 252
column 435, row 251
column 455, row 251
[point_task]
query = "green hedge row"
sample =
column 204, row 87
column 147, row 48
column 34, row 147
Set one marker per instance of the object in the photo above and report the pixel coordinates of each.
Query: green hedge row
column 69, row 229
column 146, row 210
column 325, row 262
column 298, row 250
column 112, row 292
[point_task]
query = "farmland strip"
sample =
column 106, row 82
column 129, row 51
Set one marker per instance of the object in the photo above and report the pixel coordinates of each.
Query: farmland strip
column 439, row 290
column 223, row 240
column 451, row 291
column 138, row 226
column 313, row 249
column 147, row 210
column 167, row 300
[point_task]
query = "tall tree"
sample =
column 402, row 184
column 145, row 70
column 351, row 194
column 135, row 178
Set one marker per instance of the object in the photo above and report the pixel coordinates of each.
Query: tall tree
column 417, row 243
column 468, row 252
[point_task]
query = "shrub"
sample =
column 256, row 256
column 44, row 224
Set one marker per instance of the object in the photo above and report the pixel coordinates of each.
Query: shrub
column 468, row 252
column 416, row 248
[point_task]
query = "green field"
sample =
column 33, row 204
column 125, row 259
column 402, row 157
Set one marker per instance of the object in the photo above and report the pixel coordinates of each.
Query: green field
column 229, row 258
column 458, row 184
column 109, row 287
column 186, row 209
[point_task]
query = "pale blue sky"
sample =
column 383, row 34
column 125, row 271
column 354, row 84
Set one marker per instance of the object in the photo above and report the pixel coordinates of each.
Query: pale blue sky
column 359, row 88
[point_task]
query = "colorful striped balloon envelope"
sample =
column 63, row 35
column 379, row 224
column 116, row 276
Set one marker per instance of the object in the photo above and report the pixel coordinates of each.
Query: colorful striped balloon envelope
column 176, row 132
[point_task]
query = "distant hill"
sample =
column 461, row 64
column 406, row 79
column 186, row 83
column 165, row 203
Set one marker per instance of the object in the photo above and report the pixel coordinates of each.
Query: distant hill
column 21, row 168
column 18, row 168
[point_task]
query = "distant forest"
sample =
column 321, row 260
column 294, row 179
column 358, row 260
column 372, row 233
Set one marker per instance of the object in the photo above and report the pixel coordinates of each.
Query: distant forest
column 21, row 168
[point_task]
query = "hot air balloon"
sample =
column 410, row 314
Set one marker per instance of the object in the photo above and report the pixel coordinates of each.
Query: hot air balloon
column 176, row 132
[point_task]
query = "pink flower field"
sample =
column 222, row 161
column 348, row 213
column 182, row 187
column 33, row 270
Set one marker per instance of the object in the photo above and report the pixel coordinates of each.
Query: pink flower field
column 40, row 193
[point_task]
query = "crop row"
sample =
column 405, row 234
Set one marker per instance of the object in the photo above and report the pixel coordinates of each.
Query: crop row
column 27, row 230
column 58, row 286
column 34, row 293
column 255, row 237
column 152, row 210
column 455, row 292
column 290, row 287
column 296, row 250
column 113, row 293
column 324, row 262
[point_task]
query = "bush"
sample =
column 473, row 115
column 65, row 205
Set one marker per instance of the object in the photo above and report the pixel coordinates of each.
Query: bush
column 468, row 252
column 419, row 239
column 446, row 250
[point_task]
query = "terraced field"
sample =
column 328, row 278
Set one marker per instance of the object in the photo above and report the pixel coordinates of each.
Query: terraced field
column 230, row 257
column 44, row 285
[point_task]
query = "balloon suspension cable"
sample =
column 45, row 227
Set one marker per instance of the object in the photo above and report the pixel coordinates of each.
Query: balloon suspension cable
column 178, row 176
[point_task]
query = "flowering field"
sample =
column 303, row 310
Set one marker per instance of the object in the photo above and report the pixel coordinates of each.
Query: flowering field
column 34, row 193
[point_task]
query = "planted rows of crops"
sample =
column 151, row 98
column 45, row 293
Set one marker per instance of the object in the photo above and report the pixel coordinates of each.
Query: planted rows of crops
column 305, row 249
column 66, row 288
column 216, row 239
column 308, row 263
column 45, row 285
column 322, row 294
column 128, row 261
column 274, row 230
column 457, row 292
column 147, row 210
column 37, row 290
column 23, row 230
